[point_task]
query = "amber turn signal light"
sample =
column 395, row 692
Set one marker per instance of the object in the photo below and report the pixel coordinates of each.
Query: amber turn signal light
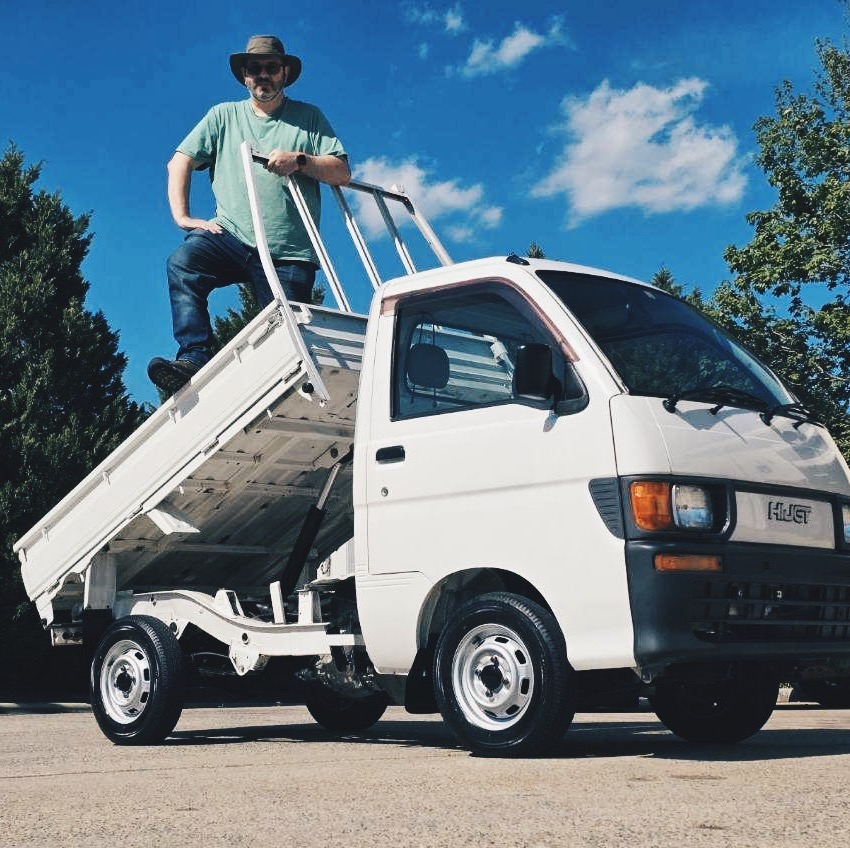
column 651, row 505
column 687, row 562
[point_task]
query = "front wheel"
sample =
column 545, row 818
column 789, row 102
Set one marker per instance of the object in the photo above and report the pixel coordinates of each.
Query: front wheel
column 502, row 680
column 719, row 711
column 137, row 681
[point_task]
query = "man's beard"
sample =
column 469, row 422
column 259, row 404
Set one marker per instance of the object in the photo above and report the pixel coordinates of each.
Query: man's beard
column 264, row 97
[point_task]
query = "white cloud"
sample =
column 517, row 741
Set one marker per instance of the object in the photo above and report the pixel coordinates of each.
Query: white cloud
column 460, row 234
column 487, row 57
column 420, row 14
column 491, row 217
column 454, row 20
column 451, row 20
column 643, row 148
column 463, row 207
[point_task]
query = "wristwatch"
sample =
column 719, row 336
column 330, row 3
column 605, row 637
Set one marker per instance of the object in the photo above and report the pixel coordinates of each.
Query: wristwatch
column 301, row 160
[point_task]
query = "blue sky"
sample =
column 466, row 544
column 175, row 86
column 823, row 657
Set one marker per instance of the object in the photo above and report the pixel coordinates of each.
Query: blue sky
column 616, row 134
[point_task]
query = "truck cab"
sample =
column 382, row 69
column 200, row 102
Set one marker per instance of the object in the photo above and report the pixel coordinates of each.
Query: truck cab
column 594, row 444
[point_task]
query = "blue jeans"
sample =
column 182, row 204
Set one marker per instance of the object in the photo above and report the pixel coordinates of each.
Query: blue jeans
column 207, row 261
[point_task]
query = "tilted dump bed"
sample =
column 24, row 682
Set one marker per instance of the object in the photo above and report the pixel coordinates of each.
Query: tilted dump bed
column 212, row 489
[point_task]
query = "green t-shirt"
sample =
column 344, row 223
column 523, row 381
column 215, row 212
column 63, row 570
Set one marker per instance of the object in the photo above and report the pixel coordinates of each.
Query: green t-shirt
column 215, row 141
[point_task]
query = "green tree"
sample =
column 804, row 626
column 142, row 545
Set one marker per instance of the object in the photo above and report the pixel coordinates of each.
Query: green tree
column 663, row 279
column 799, row 254
column 227, row 326
column 535, row 251
column 63, row 404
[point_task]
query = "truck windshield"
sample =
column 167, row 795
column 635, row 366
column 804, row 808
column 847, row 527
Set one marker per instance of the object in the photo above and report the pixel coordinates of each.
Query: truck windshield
column 662, row 347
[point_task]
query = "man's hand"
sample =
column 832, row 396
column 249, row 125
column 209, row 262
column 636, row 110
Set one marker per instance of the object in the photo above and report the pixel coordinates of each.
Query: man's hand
column 332, row 170
column 180, row 169
column 282, row 162
column 187, row 223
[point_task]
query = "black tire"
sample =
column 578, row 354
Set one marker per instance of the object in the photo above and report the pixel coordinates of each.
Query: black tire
column 136, row 682
column 340, row 714
column 717, row 712
column 832, row 694
column 501, row 677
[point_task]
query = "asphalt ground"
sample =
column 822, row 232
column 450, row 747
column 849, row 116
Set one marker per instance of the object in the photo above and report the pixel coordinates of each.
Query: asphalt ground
column 268, row 775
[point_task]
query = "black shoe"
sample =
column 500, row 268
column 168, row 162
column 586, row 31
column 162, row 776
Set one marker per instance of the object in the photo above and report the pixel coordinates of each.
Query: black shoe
column 171, row 375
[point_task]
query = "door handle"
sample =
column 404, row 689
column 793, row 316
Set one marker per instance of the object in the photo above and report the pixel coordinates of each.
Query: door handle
column 395, row 453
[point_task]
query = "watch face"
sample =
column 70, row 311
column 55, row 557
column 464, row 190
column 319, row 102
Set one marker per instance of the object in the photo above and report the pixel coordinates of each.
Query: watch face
column 301, row 160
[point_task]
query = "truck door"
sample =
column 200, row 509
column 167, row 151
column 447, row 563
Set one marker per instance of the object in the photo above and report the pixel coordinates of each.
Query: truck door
column 462, row 473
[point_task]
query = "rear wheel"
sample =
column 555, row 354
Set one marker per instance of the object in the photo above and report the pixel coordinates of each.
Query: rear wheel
column 136, row 681
column 341, row 714
column 724, row 711
column 502, row 680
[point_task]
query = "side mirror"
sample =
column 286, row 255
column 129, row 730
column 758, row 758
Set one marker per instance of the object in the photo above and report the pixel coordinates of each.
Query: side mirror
column 534, row 380
column 533, row 376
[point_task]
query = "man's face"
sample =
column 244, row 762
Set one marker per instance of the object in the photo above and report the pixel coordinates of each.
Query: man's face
column 265, row 78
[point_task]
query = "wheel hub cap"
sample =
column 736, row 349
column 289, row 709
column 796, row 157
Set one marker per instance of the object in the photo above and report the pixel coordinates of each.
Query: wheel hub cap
column 125, row 681
column 493, row 677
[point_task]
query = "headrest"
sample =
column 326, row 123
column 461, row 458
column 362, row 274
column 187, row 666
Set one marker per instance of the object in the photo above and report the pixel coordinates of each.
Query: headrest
column 427, row 366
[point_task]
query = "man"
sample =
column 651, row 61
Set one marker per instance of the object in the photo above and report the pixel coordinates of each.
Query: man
column 299, row 143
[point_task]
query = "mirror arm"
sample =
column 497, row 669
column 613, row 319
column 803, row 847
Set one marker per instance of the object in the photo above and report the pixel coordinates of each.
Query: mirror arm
column 571, row 405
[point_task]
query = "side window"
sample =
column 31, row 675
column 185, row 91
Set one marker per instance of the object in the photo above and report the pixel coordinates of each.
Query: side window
column 457, row 351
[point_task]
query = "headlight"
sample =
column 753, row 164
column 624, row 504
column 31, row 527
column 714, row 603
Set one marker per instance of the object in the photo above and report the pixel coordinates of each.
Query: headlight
column 692, row 508
column 658, row 505
column 845, row 514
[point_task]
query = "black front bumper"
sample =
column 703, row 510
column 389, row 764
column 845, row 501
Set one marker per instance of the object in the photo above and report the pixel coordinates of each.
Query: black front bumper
column 787, row 605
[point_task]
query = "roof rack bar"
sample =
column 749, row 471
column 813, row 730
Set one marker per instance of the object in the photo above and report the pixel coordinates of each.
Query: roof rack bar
column 250, row 155
column 430, row 236
column 357, row 238
column 318, row 245
column 398, row 195
column 379, row 194
column 272, row 278
column 395, row 235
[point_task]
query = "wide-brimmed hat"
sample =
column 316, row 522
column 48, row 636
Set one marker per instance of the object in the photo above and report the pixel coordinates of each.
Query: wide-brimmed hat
column 264, row 47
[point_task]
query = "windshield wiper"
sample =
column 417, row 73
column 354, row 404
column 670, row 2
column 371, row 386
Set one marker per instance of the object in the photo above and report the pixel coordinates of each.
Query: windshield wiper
column 720, row 395
column 795, row 411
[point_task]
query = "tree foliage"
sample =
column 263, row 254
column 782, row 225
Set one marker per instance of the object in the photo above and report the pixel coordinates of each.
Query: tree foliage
column 789, row 301
column 663, row 279
column 805, row 155
column 227, row 326
column 799, row 254
column 63, row 404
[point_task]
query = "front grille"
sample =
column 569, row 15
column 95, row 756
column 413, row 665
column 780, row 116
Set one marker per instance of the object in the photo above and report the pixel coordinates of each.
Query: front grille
column 749, row 611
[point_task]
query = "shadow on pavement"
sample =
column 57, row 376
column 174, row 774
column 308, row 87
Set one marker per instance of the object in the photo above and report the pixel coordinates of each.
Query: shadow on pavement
column 43, row 707
column 420, row 734
column 640, row 735
column 650, row 738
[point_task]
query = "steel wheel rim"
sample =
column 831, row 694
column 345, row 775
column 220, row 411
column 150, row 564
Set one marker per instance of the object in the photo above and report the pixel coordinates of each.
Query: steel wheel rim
column 125, row 681
column 493, row 677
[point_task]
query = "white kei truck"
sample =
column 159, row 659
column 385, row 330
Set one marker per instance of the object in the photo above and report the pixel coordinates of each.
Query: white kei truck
column 518, row 488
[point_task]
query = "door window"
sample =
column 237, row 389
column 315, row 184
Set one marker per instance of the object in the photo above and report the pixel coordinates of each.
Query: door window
column 457, row 351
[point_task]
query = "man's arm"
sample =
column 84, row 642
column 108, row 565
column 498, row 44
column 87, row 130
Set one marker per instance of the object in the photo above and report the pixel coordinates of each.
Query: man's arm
column 329, row 169
column 179, row 179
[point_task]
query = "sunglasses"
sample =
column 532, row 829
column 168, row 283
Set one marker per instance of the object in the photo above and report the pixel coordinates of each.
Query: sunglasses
column 257, row 68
